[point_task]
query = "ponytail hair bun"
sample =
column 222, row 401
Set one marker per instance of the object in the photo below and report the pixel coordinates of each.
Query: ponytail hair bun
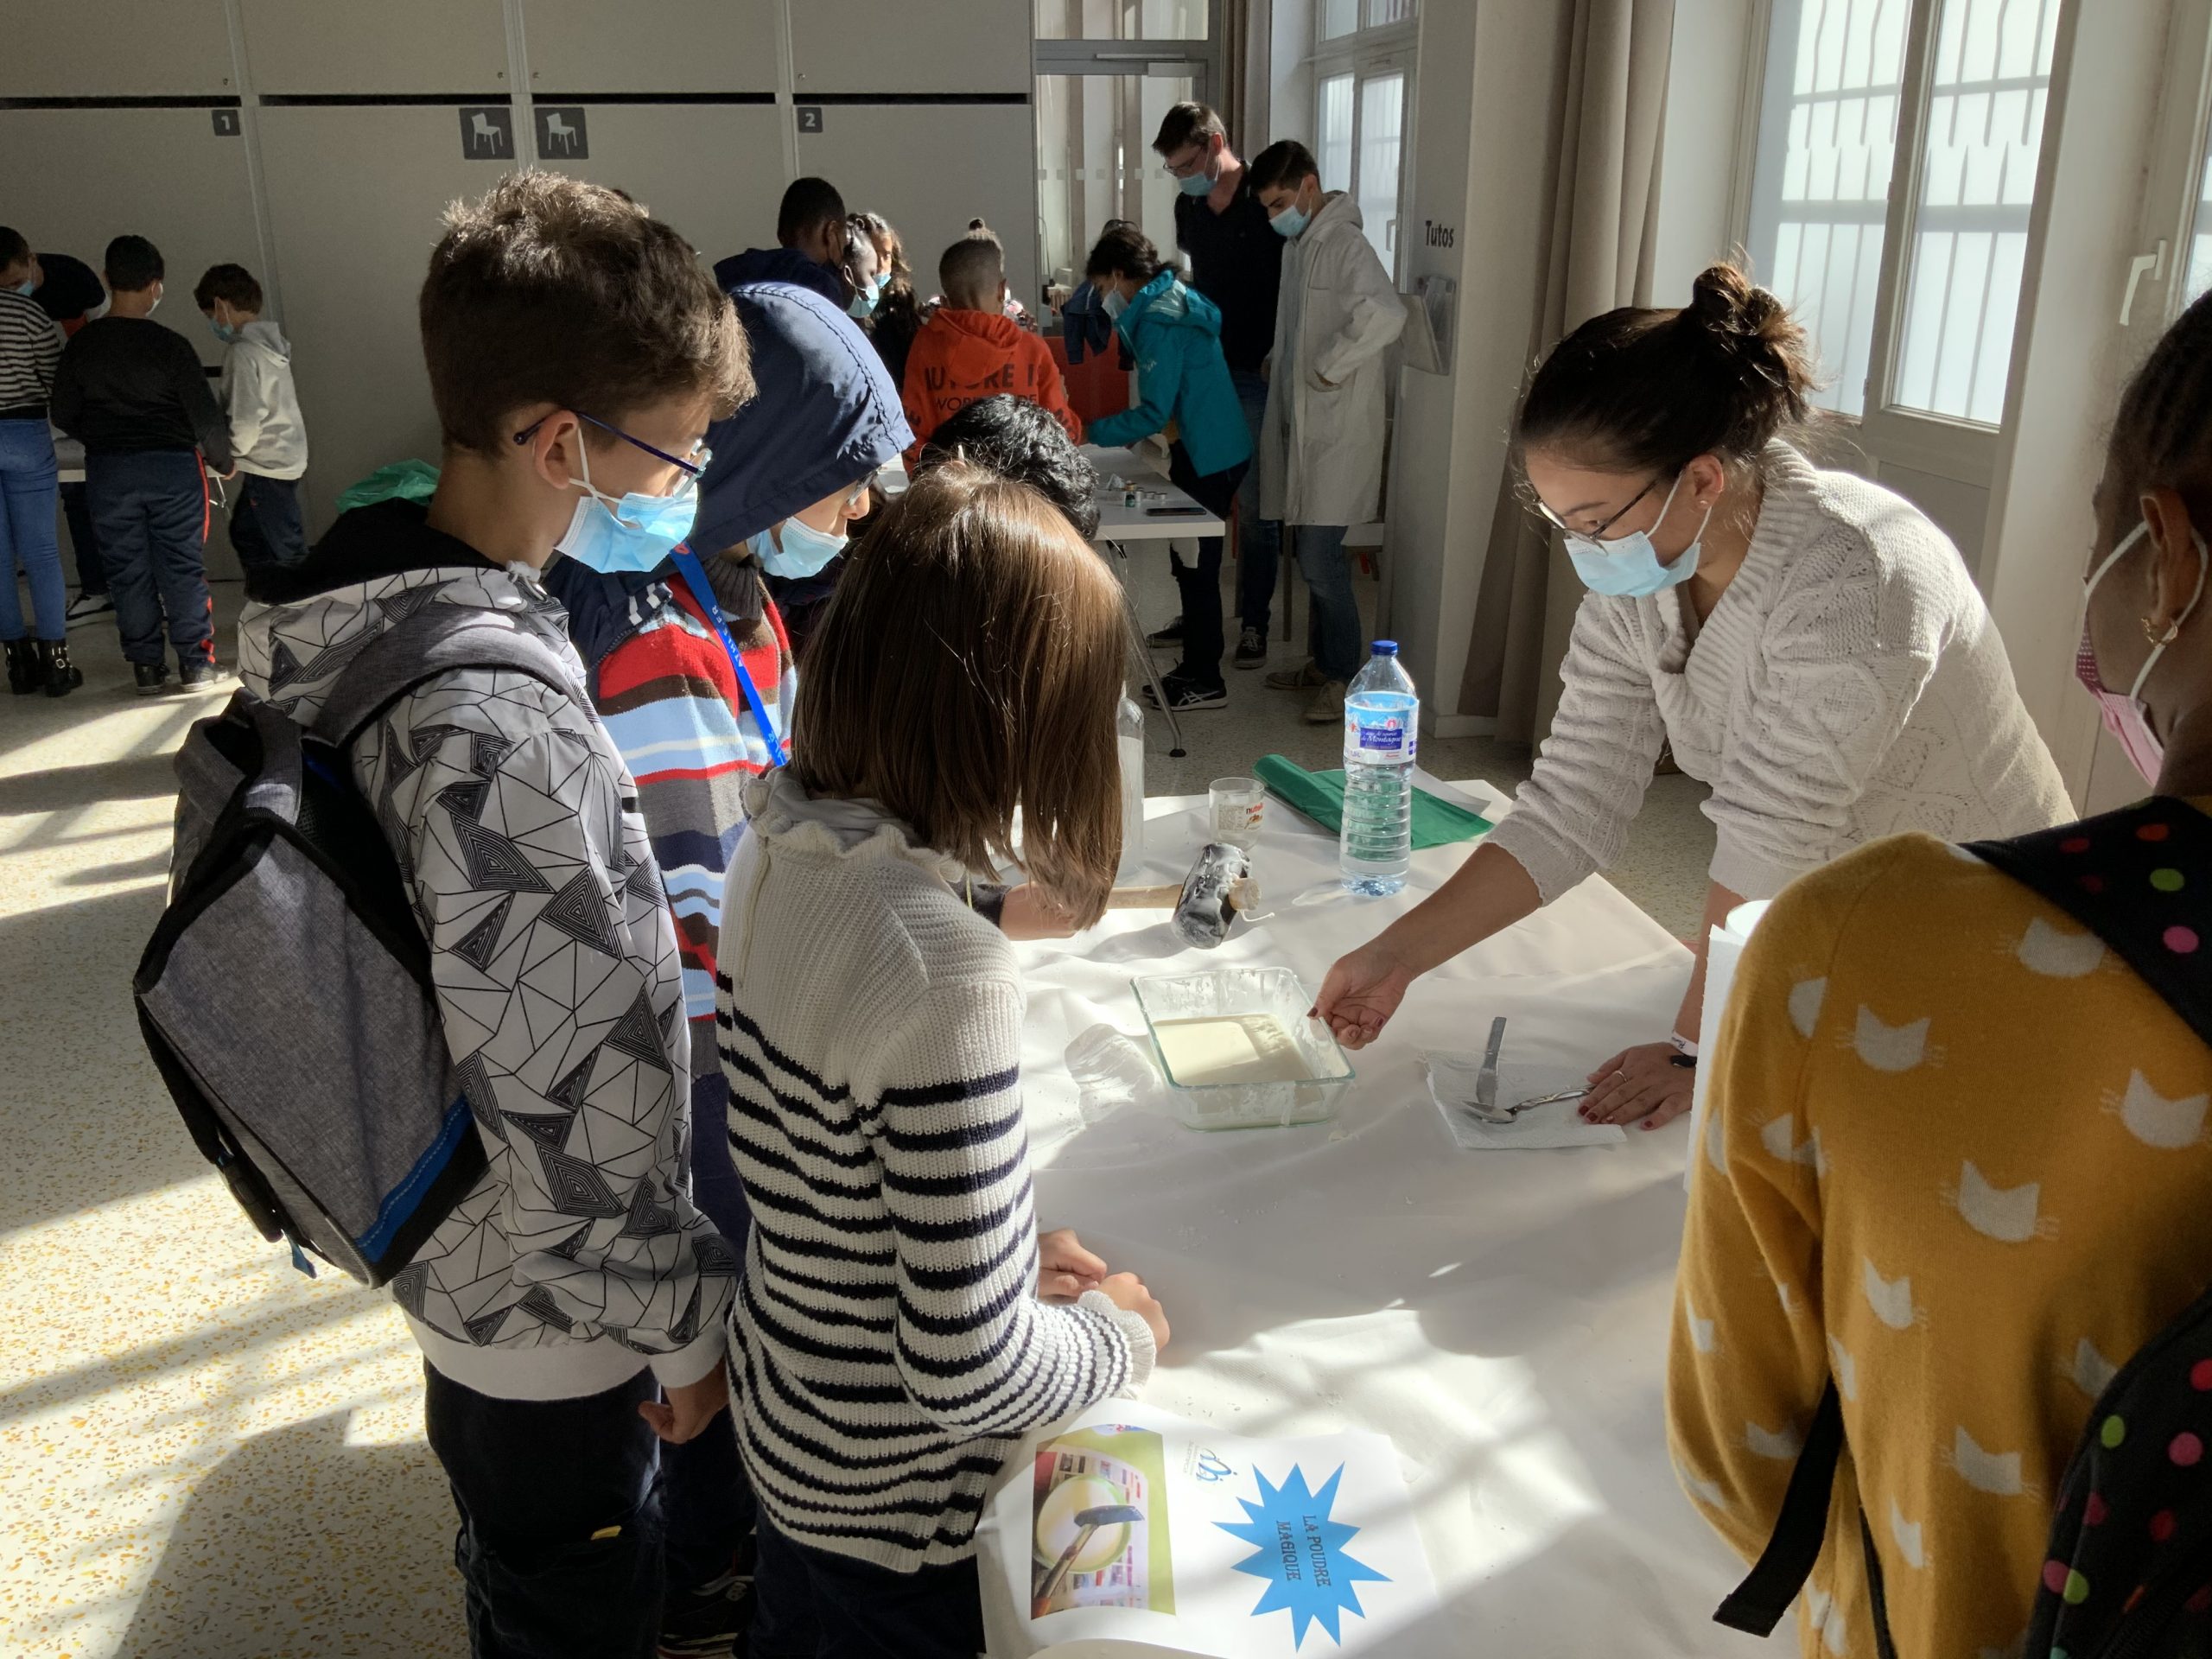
column 1644, row 389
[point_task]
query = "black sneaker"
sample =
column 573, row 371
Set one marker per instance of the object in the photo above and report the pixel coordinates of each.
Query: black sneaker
column 1251, row 649
column 1170, row 635
column 202, row 676
column 85, row 607
column 152, row 678
column 707, row 1623
column 1183, row 695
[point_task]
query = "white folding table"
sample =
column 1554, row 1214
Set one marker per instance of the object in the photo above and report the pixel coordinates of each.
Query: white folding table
column 1501, row 1315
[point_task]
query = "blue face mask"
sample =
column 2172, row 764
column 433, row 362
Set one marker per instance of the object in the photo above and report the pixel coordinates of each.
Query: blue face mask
column 805, row 550
column 883, row 281
column 863, row 305
column 1628, row 566
column 633, row 533
column 225, row 331
column 1197, row 184
column 1111, row 302
column 27, row 287
column 1291, row 221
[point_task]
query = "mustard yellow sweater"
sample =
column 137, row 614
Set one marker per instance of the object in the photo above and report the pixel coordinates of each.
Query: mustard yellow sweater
column 1956, row 1158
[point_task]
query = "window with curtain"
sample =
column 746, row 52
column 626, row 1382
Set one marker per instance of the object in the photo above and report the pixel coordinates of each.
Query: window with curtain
column 1362, row 77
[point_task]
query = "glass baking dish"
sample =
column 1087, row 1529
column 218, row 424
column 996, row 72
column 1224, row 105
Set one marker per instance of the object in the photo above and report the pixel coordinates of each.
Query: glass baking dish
column 1321, row 1071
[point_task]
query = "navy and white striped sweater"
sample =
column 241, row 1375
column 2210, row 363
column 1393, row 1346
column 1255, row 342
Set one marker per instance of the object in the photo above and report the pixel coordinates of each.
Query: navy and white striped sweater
column 887, row 1340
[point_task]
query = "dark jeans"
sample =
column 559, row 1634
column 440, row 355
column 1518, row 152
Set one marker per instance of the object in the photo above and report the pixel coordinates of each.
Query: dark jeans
column 266, row 528
column 706, row 1499
column 1259, row 540
column 535, row 1482
column 1201, row 587
column 1332, row 630
column 149, row 511
column 809, row 1604
column 91, row 574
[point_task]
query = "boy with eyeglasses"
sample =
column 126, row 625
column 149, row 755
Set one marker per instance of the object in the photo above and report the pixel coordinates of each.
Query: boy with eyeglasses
column 570, row 1308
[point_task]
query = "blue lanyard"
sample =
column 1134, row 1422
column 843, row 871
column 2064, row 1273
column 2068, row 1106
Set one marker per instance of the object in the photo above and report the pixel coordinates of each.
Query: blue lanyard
column 687, row 563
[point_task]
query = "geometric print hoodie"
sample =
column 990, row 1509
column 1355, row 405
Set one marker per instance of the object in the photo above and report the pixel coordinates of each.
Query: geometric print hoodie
column 579, row 1257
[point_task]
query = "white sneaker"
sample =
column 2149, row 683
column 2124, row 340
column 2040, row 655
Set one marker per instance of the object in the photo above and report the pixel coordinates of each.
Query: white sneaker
column 86, row 606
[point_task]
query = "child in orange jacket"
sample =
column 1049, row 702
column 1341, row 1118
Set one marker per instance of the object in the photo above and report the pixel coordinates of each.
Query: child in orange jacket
column 970, row 349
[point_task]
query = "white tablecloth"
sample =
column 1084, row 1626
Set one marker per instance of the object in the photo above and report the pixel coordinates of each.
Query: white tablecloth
column 1502, row 1316
column 1118, row 523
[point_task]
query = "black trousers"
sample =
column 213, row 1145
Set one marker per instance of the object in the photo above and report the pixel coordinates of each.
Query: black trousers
column 560, row 1542
column 149, row 514
column 810, row 1604
column 1200, row 586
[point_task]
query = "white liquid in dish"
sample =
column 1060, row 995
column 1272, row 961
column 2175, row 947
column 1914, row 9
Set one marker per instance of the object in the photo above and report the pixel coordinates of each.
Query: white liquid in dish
column 1241, row 1048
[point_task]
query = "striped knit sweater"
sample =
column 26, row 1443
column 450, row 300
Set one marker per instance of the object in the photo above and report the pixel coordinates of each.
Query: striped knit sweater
column 30, row 346
column 888, row 1343
column 671, row 703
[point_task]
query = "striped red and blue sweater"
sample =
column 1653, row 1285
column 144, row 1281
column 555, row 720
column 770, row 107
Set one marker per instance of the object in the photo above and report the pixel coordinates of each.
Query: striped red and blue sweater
column 672, row 702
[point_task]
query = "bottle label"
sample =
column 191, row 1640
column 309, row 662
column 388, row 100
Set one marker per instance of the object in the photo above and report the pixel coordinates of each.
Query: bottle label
column 1390, row 737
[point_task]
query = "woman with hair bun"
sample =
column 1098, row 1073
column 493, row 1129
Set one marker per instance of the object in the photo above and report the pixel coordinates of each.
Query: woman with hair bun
column 1811, row 644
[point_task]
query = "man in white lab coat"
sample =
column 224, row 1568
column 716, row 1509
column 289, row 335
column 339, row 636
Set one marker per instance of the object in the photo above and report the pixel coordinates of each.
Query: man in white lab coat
column 1321, row 445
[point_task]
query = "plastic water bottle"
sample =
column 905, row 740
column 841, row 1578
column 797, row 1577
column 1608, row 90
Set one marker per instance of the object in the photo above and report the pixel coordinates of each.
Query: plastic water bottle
column 1129, row 724
column 1381, row 729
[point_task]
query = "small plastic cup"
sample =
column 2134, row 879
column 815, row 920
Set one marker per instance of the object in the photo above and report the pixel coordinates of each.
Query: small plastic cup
column 1234, row 808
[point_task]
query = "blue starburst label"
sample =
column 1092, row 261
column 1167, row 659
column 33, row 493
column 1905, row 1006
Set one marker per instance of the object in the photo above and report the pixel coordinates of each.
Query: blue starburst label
column 1300, row 1552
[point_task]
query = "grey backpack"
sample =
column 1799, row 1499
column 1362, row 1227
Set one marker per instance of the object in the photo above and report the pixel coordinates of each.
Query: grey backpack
column 286, row 995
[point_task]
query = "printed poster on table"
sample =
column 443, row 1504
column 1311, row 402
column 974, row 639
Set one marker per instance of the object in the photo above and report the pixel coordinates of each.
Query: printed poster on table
column 1128, row 1531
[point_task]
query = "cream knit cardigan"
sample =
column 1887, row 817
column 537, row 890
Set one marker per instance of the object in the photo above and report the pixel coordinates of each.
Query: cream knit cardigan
column 1850, row 684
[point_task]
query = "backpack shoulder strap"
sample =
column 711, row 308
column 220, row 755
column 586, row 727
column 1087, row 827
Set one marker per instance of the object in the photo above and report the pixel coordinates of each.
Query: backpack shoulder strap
column 437, row 640
column 1800, row 1529
column 2140, row 879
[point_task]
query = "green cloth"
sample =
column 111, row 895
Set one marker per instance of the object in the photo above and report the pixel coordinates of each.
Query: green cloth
column 1321, row 797
column 407, row 481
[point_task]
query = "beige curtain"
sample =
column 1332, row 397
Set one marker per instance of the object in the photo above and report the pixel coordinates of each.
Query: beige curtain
column 1608, row 113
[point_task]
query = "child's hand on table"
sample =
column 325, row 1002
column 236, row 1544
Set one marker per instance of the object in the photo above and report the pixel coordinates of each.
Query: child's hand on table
column 1125, row 1290
column 1064, row 1269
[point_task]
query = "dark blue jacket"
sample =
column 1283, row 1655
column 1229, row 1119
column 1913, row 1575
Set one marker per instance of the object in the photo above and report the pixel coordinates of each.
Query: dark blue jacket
column 1181, row 375
column 824, row 415
column 780, row 266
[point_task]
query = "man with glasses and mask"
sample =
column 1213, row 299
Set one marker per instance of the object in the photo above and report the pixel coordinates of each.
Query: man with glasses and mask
column 1236, row 262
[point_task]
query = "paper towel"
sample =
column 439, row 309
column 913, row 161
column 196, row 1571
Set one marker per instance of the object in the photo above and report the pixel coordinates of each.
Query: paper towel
column 1724, row 946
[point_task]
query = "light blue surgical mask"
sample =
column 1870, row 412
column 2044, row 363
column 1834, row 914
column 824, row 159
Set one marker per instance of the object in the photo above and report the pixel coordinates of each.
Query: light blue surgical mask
column 803, row 552
column 1197, row 184
column 863, row 305
column 883, row 281
column 1291, row 221
column 225, row 331
column 27, row 287
column 1628, row 566
column 1111, row 302
column 633, row 532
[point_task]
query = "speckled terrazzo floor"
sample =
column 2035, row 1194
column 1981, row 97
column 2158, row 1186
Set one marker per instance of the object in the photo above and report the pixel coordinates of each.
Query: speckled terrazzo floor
column 204, row 1455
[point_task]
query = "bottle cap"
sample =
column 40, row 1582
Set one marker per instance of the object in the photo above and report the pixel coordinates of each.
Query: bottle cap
column 1386, row 647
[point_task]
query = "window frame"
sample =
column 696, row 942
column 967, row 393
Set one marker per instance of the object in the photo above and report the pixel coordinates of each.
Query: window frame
column 1950, row 446
column 1368, row 52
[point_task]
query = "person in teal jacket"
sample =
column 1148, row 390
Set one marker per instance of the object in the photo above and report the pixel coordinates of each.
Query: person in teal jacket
column 1174, row 333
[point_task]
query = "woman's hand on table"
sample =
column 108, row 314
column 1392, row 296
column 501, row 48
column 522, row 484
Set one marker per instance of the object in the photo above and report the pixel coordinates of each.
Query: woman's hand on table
column 1064, row 1269
column 1361, row 993
column 1126, row 1291
column 1645, row 1083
